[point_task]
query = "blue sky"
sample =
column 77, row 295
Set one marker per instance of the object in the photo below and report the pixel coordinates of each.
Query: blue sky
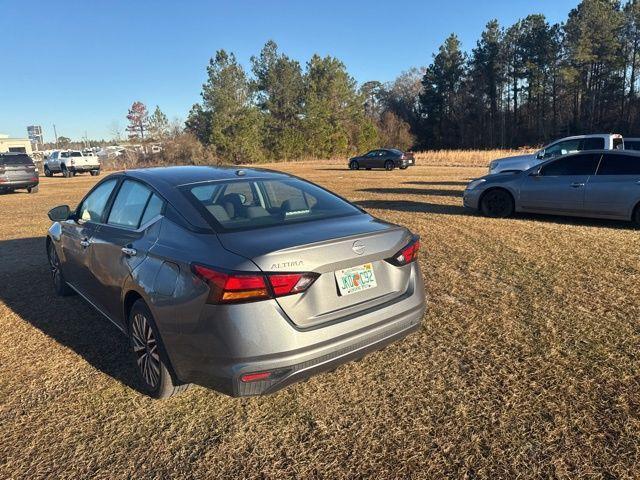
column 80, row 64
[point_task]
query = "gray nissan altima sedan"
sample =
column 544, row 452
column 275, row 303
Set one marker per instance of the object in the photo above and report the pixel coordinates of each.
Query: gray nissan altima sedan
column 596, row 183
column 243, row 281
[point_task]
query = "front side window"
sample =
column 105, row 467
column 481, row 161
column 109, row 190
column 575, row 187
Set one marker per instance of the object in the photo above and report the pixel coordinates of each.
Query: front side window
column 129, row 205
column 265, row 203
column 593, row 143
column 372, row 153
column 562, row 148
column 585, row 164
column 619, row 165
column 92, row 208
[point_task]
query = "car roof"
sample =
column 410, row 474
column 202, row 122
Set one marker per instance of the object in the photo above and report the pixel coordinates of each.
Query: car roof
column 190, row 174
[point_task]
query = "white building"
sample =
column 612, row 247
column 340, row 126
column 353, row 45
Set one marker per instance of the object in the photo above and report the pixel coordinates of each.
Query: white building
column 8, row 144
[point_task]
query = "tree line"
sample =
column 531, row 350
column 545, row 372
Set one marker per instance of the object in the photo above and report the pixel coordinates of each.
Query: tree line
column 522, row 84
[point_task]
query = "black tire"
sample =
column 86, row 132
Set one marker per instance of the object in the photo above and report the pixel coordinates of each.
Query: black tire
column 152, row 363
column 95, row 173
column 33, row 189
column 354, row 165
column 47, row 172
column 368, row 168
column 403, row 167
column 497, row 203
column 65, row 171
column 636, row 216
column 389, row 165
column 60, row 285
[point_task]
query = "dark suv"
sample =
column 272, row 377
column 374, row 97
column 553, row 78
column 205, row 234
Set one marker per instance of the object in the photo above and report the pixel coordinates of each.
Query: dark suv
column 17, row 170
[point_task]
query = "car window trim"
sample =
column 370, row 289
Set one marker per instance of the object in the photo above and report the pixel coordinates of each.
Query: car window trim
column 107, row 205
column 124, row 178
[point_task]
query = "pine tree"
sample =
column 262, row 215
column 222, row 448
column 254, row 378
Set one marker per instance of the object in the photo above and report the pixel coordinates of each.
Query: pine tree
column 138, row 117
column 158, row 124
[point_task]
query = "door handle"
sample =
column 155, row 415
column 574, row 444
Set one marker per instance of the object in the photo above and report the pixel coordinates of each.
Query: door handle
column 129, row 252
column 85, row 242
column 577, row 185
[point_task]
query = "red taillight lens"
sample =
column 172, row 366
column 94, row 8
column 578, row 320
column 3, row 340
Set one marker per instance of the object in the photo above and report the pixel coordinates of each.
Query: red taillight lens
column 254, row 377
column 239, row 287
column 407, row 254
column 290, row 283
column 229, row 288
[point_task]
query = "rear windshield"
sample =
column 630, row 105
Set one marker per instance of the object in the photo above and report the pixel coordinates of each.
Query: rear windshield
column 255, row 203
column 70, row 154
column 15, row 160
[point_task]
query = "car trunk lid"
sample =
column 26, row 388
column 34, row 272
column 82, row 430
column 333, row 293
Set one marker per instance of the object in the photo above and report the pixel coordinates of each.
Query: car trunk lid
column 325, row 247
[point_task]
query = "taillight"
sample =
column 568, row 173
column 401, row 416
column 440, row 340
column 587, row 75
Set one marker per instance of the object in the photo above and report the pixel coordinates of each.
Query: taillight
column 234, row 287
column 408, row 254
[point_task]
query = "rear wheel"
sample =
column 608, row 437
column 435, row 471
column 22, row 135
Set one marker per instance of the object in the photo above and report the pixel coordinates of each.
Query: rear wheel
column 95, row 172
column 60, row 286
column 47, row 172
column 65, row 171
column 33, row 189
column 389, row 165
column 151, row 361
column 354, row 165
column 497, row 203
column 636, row 216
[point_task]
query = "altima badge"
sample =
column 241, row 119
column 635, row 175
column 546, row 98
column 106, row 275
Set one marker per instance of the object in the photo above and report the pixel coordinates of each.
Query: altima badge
column 358, row 247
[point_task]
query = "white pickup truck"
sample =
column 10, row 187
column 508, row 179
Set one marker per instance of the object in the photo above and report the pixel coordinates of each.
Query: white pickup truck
column 519, row 163
column 70, row 162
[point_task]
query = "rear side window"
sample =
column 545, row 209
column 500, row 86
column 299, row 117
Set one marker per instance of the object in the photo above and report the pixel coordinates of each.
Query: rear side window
column 262, row 203
column 584, row 164
column 130, row 204
column 632, row 144
column 154, row 208
column 619, row 165
column 593, row 144
column 15, row 160
column 93, row 206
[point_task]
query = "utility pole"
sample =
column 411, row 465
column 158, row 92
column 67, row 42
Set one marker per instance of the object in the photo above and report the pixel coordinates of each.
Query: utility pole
column 55, row 133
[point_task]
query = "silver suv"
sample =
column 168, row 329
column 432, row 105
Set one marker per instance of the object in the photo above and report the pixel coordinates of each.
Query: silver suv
column 18, row 171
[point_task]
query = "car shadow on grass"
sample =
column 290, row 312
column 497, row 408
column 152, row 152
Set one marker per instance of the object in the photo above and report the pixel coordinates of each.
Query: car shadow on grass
column 411, row 206
column 447, row 183
column 26, row 288
column 436, row 192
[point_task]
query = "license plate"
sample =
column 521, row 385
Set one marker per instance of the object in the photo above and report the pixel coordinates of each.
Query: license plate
column 356, row 279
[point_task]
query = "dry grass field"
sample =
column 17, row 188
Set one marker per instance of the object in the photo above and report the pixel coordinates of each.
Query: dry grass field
column 527, row 364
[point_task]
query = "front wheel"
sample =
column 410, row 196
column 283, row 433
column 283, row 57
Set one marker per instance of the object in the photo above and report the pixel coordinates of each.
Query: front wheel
column 95, row 172
column 60, row 285
column 403, row 167
column 151, row 361
column 66, row 172
column 389, row 165
column 354, row 165
column 636, row 216
column 497, row 203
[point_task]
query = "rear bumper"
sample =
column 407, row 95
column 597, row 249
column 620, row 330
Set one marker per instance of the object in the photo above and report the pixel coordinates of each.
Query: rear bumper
column 13, row 184
column 83, row 168
column 228, row 342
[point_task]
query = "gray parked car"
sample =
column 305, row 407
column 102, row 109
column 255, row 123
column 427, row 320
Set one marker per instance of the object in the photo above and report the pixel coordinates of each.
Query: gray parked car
column 17, row 171
column 243, row 281
column 597, row 183
column 387, row 158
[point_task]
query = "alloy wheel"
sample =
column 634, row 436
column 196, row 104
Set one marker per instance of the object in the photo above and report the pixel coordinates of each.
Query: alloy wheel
column 54, row 265
column 145, row 347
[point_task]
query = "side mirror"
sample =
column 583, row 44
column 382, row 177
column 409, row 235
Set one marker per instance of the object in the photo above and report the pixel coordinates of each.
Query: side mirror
column 540, row 154
column 535, row 172
column 59, row 213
